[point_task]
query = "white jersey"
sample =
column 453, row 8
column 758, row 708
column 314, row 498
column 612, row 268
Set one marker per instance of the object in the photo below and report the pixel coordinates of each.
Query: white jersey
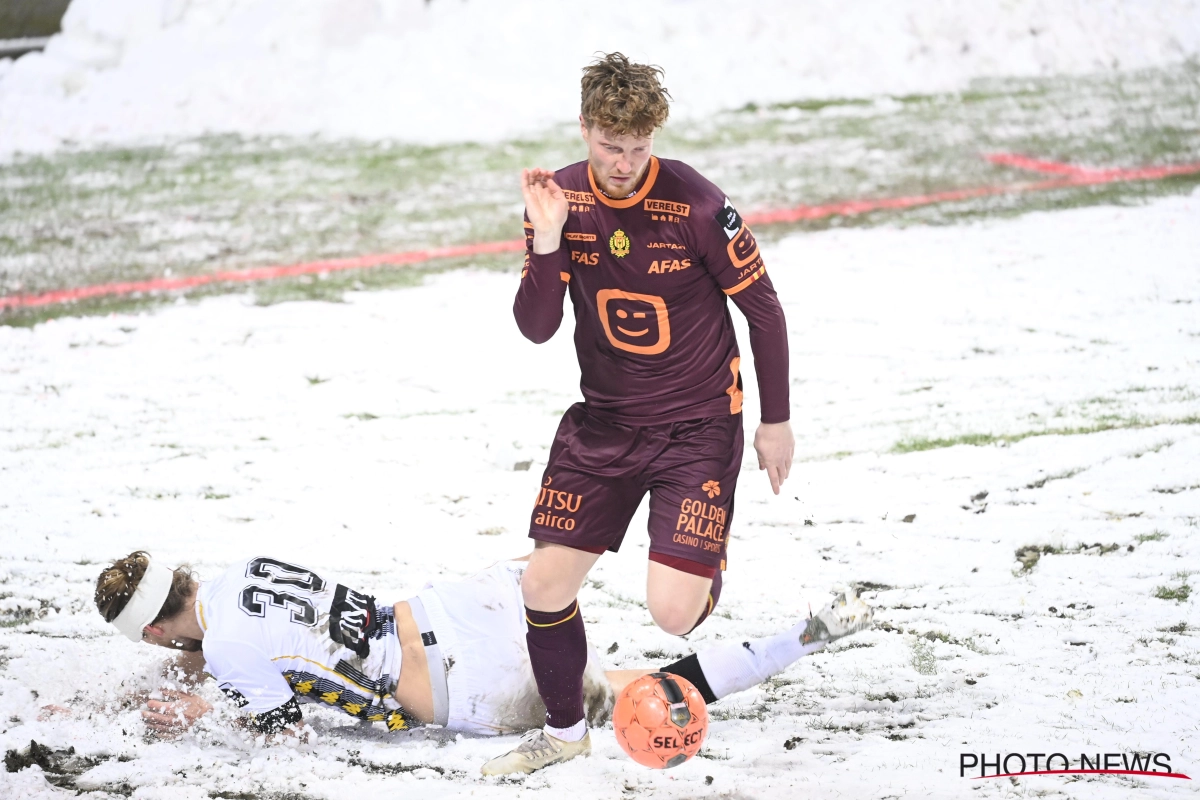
column 274, row 630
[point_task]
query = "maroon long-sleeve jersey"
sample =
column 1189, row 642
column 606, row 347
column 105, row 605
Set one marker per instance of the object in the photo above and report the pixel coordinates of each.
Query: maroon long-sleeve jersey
column 649, row 276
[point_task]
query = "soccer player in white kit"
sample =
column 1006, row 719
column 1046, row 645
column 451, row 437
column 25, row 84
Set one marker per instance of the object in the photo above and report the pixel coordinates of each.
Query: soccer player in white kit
column 274, row 634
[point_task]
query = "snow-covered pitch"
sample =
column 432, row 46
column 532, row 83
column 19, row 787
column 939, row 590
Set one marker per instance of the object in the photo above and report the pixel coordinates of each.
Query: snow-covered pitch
column 128, row 70
column 400, row 436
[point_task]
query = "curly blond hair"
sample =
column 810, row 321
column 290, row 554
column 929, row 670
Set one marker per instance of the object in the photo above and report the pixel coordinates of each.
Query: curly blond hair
column 120, row 580
column 622, row 98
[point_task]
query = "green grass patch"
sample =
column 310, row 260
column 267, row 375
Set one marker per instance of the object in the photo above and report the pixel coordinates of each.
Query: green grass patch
column 1179, row 594
column 1154, row 448
column 22, row 18
column 1153, row 536
column 1029, row 555
column 837, row 727
column 713, row 755
column 657, row 654
column 194, row 206
column 812, row 105
column 875, row 698
column 922, row 659
column 1058, row 476
column 919, row 444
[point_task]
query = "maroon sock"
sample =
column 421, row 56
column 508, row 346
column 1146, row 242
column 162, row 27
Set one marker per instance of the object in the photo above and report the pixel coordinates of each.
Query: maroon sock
column 558, row 654
column 714, row 594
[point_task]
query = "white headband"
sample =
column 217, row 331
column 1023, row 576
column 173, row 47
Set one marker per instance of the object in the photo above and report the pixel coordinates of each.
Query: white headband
column 147, row 601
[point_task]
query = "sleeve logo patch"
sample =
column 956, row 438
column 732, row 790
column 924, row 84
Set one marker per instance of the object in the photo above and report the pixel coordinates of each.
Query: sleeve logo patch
column 619, row 244
column 669, row 207
column 730, row 219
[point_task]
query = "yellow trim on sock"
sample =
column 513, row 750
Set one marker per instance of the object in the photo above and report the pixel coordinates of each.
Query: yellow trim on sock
column 552, row 624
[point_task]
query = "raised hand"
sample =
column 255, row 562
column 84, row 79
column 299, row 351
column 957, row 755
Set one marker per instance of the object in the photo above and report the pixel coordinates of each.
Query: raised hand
column 546, row 206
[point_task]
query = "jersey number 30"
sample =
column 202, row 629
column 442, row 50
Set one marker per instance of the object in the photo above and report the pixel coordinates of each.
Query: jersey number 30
column 352, row 620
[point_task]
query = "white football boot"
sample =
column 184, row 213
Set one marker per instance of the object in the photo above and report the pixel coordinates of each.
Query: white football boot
column 537, row 749
column 847, row 614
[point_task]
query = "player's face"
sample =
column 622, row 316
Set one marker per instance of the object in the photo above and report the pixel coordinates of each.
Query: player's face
column 617, row 162
column 163, row 636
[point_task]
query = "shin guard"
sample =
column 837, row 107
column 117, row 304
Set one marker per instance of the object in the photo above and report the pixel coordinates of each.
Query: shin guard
column 558, row 655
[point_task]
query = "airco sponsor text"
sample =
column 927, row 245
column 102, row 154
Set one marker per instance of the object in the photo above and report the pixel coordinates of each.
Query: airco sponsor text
column 555, row 500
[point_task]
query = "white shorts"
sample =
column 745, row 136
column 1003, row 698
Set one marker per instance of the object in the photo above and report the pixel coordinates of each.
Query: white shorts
column 480, row 626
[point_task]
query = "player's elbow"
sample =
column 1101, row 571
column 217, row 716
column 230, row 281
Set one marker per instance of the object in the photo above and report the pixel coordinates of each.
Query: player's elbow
column 538, row 334
column 536, row 329
column 767, row 318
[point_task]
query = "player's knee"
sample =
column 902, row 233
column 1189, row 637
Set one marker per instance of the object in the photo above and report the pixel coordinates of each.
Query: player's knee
column 545, row 592
column 674, row 618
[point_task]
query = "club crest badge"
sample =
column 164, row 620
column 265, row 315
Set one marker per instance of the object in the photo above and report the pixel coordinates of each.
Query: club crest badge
column 618, row 244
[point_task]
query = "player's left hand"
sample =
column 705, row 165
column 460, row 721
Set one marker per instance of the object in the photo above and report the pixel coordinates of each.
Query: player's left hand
column 175, row 713
column 775, row 445
column 50, row 711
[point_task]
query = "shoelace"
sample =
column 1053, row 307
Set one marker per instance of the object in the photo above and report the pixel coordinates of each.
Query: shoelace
column 535, row 742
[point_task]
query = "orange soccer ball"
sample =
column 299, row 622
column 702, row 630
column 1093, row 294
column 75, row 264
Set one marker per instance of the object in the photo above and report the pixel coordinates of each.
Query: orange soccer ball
column 660, row 720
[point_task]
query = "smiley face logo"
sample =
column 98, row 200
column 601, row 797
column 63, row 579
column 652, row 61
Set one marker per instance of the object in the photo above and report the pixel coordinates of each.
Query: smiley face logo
column 635, row 323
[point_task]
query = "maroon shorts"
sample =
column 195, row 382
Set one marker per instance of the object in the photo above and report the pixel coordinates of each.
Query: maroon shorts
column 599, row 472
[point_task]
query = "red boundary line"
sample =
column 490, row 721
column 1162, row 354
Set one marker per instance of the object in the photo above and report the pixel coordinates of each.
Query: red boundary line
column 1090, row 174
column 1071, row 176
column 1087, row 772
column 257, row 274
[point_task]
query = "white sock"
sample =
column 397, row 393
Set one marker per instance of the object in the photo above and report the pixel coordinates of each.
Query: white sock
column 571, row 734
column 736, row 666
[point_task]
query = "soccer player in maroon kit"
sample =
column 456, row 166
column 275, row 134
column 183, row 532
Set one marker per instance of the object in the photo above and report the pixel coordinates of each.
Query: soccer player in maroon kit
column 649, row 251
